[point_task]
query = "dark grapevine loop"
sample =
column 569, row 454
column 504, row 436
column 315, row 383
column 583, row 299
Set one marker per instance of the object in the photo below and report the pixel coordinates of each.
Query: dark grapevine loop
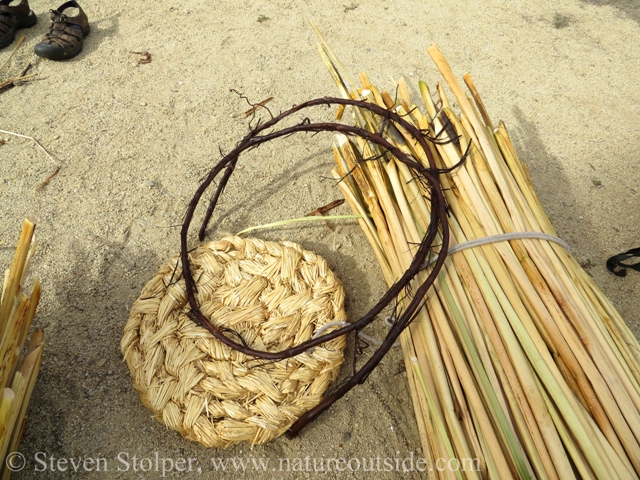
column 265, row 132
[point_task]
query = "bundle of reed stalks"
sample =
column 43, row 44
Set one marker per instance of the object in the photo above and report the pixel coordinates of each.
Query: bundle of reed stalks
column 518, row 365
column 17, row 374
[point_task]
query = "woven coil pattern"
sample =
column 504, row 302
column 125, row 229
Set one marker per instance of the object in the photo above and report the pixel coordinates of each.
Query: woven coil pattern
column 275, row 296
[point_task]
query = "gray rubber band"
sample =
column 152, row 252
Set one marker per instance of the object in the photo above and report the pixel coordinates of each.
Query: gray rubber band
column 503, row 237
column 324, row 327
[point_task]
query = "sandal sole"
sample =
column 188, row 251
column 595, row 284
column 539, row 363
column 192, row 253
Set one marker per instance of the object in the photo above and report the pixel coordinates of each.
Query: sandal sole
column 23, row 22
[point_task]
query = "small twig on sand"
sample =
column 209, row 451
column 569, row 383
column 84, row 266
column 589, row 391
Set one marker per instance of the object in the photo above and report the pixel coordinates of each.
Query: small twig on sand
column 145, row 57
column 324, row 209
column 58, row 164
column 48, row 179
column 37, row 143
column 253, row 109
column 18, row 43
column 12, row 81
column 26, row 69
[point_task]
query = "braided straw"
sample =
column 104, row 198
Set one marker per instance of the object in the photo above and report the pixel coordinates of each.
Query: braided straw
column 275, row 296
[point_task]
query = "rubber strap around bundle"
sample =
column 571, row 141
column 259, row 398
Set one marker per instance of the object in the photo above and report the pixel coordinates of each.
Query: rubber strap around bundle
column 504, row 237
column 616, row 266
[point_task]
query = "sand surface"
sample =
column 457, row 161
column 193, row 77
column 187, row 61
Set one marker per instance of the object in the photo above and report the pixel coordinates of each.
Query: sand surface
column 135, row 139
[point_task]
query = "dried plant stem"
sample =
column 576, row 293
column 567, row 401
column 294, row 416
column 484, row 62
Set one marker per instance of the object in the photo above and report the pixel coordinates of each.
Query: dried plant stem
column 15, row 274
column 19, row 42
column 15, row 79
column 17, row 378
column 283, row 223
column 36, row 142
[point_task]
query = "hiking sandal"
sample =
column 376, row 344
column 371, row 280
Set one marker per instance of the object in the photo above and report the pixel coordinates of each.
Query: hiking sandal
column 13, row 18
column 66, row 34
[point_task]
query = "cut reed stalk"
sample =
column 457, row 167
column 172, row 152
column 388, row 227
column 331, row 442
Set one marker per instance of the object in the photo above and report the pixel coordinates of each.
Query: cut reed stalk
column 18, row 377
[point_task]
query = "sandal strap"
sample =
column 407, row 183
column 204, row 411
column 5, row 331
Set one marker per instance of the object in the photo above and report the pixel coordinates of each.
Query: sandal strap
column 20, row 10
column 6, row 23
column 79, row 20
column 63, row 31
column 66, row 40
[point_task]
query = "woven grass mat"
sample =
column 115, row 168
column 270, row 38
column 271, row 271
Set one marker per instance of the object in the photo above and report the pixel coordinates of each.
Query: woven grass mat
column 274, row 295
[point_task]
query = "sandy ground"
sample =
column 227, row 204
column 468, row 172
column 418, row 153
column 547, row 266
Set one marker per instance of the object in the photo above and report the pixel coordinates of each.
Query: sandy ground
column 135, row 139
